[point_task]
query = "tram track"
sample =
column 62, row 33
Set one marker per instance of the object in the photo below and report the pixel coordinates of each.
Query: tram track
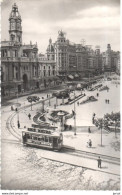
column 90, row 155
column 67, row 150
column 10, row 126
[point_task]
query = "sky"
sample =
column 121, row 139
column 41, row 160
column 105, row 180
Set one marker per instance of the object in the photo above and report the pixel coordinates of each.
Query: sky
column 95, row 21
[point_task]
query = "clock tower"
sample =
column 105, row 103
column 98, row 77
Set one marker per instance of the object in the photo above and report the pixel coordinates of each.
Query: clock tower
column 15, row 28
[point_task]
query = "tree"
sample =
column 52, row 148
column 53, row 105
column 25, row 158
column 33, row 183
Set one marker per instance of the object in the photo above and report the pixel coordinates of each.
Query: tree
column 100, row 124
column 114, row 118
column 32, row 99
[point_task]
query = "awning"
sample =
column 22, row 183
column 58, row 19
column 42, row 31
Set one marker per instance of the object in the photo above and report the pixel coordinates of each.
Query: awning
column 70, row 76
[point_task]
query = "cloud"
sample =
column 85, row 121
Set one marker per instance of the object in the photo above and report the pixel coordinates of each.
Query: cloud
column 89, row 19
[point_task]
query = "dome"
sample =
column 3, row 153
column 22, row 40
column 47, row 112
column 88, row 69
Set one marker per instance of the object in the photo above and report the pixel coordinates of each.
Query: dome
column 50, row 47
column 60, row 34
column 15, row 13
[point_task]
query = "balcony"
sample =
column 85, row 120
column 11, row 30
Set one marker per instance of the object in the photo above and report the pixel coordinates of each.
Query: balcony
column 9, row 59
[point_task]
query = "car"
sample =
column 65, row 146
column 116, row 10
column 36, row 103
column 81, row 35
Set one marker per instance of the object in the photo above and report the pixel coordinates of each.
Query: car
column 33, row 98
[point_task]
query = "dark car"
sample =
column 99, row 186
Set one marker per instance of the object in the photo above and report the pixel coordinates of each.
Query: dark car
column 61, row 94
column 33, row 98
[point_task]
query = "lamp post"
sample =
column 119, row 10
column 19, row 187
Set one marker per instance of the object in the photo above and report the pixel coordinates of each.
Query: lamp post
column 49, row 101
column 74, row 115
column 56, row 101
column 115, row 128
column 100, row 123
column 43, row 106
column 18, row 123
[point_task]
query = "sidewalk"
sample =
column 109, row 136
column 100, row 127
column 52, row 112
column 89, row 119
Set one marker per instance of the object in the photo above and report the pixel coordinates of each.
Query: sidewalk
column 78, row 161
column 36, row 91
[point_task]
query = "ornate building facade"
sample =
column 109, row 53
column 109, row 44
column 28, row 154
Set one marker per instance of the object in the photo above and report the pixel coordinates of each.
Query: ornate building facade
column 110, row 59
column 74, row 60
column 19, row 70
column 23, row 69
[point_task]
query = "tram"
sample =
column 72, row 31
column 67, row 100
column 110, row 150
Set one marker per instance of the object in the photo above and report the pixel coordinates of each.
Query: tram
column 42, row 138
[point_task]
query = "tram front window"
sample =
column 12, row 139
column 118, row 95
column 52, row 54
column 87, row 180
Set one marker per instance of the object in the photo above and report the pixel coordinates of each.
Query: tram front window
column 41, row 139
column 55, row 142
column 34, row 138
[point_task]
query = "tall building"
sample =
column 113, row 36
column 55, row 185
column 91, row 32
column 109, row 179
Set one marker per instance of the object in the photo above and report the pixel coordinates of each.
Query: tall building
column 82, row 60
column 47, row 67
column 109, row 59
column 61, row 54
column 19, row 71
column 15, row 28
column 118, row 63
column 74, row 60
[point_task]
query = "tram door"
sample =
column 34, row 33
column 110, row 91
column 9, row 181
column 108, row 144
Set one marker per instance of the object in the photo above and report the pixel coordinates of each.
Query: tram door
column 55, row 142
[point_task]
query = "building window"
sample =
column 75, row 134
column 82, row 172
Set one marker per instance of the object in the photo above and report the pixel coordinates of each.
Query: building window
column 44, row 73
column 2, row 76
column 49, row 73
column 53, row 72
column 16, row 75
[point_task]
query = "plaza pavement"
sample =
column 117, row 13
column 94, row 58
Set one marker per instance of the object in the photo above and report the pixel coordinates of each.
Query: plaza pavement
column 80, row 140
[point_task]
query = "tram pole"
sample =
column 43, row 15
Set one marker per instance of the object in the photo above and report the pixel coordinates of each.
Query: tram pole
column 74, row 115
column 18, row 123
column 49, row 101
column 31, row 105
column 56, row 101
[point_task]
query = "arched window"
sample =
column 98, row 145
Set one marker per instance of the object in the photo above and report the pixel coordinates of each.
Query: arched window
column 12, row 37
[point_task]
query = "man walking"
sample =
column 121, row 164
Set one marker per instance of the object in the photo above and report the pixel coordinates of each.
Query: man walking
column 89, row 130
column 99, row 162
column 29, row 116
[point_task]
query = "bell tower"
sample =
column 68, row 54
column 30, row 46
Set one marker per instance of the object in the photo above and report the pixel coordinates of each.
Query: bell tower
column 15, row 28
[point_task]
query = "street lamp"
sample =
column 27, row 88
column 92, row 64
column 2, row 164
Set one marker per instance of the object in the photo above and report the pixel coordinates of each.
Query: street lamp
column 56, row 101
column 100, row 123
column 49, row 101
column 18, row 123
column 74, row 115
column 115, row 128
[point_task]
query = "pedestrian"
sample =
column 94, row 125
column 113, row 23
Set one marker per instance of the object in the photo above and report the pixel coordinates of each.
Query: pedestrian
column 47, row 95
column 16, row 109
column 99, row 162
column 93, row 119
column 18, row 124
column 89, row 130
column 94, row 114
column 70, row 127
column 29, row 116
column 78, row 103
column 12, row 108
column 73, row 112
column 90, row 143
column 108, row 101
